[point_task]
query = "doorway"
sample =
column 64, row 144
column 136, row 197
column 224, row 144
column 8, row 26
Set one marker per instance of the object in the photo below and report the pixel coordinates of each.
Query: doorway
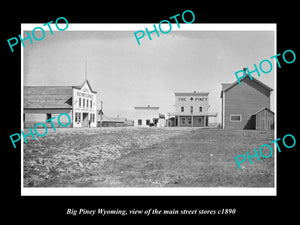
column 85, row 120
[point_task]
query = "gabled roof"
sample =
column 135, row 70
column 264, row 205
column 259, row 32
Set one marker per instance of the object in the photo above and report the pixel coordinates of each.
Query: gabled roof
column 228, row 86
column 48, row 97
column 264, row 108
column 225, row 85
column 41, row 97
column 88, row 83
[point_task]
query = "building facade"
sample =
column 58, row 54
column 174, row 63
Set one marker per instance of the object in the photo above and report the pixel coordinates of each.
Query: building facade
column 44, row 102
column 243, row 105
column 191, row 110
column 145, row 116
column 84, row 106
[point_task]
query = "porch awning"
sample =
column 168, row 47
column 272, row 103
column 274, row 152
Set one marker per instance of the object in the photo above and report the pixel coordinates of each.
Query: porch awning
column 210, row 114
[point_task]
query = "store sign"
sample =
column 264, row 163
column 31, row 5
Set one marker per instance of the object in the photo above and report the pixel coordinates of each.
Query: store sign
column 84, row 95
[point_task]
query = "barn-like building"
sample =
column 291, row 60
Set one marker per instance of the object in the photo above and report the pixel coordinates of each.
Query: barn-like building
column 43, row 102
column 246, row 106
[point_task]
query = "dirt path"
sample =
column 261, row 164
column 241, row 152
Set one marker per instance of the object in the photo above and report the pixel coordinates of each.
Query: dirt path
column 68, row 157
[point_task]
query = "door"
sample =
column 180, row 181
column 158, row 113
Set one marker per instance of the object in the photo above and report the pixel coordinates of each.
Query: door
column 85, row 120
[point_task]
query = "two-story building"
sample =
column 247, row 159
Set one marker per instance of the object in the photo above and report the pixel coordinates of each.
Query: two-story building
column 246, row 106
column 191, row 110
column 44, row 102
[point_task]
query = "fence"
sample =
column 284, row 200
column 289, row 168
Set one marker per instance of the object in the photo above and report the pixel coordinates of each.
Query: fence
column 113, row 124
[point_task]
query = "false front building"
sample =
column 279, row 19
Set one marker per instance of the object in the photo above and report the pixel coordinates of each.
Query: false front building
column 148, row 116
column 191, row 110
column 44, row 102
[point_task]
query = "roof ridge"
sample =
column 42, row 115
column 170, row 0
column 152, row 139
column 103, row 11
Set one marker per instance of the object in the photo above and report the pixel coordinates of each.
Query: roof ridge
column 253, row 79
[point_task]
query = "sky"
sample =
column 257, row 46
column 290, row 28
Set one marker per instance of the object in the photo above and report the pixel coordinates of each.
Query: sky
column 126, row 74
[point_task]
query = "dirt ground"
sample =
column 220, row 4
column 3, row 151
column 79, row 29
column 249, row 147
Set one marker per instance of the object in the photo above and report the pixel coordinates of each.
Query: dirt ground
column 148, row 157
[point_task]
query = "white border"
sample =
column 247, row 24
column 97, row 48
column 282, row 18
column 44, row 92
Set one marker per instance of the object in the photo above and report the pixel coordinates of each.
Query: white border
column 142, row 26
column 213, row 191
column 149, row 191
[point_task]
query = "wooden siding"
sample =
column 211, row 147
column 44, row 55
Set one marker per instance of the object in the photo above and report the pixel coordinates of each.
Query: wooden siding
column 265, row 120
column 245, row 99
column 34, row 117
column 48, row 97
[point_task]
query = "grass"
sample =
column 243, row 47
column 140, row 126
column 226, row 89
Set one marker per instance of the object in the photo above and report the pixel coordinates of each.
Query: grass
column 146, row 157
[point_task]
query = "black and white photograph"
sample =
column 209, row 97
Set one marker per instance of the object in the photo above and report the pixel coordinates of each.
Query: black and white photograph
column 145, row 112
column 101, row 110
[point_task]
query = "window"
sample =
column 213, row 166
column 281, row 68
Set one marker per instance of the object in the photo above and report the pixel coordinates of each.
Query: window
column 147, row 122
column 200, row 109
column 139, row 122
column 87, row 103
column 189, row 120
column 199, row 120
column 182, row 120
column 48, row 116
column 79, row 102
column 77, row 117
column 92, row 117
column 192, row 109
column 83, row 103
column 235, row 118
column 182, row 109
column 181, row 99
column 91, row 104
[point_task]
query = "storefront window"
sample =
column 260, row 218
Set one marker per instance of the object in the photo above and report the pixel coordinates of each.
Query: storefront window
column 183, row 120
column 140, row 122
column 92, row 117
column 77, row 117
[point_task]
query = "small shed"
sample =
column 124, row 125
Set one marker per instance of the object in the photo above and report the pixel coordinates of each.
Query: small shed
column 264, row 119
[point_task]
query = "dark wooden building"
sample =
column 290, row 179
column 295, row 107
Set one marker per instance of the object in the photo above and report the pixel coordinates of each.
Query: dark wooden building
column 246, row 106
column 264, row 119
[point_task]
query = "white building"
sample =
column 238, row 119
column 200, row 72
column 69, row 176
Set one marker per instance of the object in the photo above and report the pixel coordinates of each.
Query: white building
column 148, row 116
column 44, row 102
column 191, row 110
column 84, row 105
